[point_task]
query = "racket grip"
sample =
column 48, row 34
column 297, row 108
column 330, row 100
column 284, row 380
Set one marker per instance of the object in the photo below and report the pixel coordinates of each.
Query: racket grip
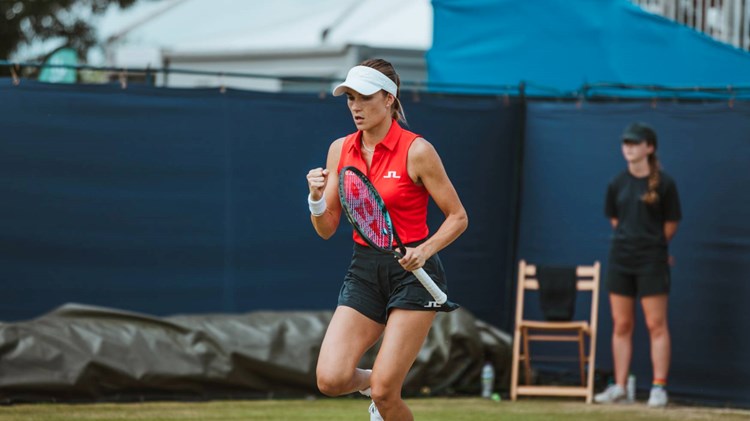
column 430, row 286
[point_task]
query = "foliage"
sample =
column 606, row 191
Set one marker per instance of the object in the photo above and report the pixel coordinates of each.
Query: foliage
column 24, row 22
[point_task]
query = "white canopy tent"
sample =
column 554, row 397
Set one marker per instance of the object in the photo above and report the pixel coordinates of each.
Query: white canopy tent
column 283, row 38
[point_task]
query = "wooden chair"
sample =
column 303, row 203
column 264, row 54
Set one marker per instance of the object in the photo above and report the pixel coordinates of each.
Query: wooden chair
column 526, row 331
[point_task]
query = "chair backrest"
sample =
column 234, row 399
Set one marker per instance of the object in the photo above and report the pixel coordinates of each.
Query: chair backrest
column 587, row 279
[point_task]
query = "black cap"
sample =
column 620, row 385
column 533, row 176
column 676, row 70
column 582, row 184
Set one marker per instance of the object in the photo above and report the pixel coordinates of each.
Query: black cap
column 640, row 132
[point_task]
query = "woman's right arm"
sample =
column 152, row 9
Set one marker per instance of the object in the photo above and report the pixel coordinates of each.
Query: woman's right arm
column 323, row 183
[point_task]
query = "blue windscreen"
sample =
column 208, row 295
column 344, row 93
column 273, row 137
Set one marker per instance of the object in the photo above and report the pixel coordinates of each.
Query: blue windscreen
column 571, row 153
column 172, row 201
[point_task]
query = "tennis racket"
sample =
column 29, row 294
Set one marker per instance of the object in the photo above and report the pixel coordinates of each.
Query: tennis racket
column 365, row 210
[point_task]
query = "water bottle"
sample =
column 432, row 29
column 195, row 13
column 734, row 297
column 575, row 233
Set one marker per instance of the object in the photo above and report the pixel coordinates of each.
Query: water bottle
column 631, row 388
column 488, row 380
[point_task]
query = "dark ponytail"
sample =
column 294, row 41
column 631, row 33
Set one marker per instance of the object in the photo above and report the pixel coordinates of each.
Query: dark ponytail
column 652, row 195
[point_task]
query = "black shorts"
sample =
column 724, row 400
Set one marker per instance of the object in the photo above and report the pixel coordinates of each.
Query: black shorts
column 649, row 280
column 376, row 283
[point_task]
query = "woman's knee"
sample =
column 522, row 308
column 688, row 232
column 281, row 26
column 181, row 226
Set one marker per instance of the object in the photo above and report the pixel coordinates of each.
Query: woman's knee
column 383, row 393
column 657, row 326
column 622, row 326
column 333, row 383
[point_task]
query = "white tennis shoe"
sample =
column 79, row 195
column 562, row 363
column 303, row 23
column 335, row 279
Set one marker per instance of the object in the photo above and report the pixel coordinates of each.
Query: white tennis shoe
column 374, row 414
column 658, row 398
column 614, row 393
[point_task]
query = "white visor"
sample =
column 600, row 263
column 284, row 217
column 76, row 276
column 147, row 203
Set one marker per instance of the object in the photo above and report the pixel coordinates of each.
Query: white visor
column 366, row 81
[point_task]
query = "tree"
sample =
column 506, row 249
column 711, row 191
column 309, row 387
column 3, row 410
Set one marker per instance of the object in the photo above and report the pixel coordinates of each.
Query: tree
column 24, row 22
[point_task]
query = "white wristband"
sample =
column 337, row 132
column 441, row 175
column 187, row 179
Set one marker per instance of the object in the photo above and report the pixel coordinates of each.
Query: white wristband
column 318, row 207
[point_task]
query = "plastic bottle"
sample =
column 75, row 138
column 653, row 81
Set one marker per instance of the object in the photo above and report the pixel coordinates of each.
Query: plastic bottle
column 631, row 388
column 488, row 380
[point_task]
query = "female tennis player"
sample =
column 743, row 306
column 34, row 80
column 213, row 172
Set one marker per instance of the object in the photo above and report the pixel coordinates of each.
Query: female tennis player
column 380, row 295
column 644, row 208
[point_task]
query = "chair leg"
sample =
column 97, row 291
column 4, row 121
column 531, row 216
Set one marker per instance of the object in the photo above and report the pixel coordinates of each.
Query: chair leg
column 515, row 368
column 527, row 355
column 590, row 357
column 582, row 356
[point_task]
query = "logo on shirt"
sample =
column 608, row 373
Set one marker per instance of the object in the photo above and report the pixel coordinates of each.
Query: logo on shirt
column 391, row 174
column 432, row 304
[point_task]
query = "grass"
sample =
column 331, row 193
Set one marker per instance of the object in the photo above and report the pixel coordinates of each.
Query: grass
column 349, row 409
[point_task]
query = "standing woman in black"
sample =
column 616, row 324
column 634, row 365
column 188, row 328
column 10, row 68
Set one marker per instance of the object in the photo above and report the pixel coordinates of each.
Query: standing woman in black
column 643, row 207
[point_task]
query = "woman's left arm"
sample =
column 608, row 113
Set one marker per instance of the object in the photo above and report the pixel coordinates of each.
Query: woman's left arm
column 426, row 168
column 670, row 229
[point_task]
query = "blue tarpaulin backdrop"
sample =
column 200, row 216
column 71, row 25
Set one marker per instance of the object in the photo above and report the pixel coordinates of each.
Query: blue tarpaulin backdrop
column 559, row 45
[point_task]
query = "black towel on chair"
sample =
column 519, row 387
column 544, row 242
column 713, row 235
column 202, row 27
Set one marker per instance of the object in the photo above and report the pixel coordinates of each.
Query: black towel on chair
column 557, row 292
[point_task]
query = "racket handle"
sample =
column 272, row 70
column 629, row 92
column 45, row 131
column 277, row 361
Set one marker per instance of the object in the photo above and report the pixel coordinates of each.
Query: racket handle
column 430, row 286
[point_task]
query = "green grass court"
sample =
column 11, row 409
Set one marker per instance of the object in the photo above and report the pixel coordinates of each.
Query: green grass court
column 351, row 409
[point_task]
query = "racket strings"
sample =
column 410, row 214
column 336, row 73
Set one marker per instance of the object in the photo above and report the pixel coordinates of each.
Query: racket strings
column 366, row 211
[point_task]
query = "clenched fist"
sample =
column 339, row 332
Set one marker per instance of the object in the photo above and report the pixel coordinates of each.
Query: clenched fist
column 316, row 181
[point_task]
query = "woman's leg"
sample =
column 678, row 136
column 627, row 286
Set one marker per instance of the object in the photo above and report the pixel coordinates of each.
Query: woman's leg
column 623, row 315
column 655, row 312
column 404, row 335
column 350, row 334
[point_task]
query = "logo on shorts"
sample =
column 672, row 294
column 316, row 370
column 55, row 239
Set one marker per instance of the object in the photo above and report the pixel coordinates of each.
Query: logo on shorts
column 432, row 304
column 391, row 174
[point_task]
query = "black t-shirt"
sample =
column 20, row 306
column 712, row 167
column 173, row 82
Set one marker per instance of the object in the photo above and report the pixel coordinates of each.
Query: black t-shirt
column 639, row 240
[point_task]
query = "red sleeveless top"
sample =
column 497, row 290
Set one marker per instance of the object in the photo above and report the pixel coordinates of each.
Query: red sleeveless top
column 406, row 202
